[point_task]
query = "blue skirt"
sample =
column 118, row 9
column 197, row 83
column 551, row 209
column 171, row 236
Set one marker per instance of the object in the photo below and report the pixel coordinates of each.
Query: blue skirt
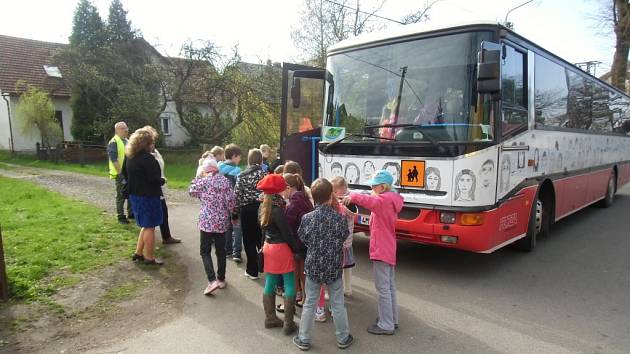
column 147, row 210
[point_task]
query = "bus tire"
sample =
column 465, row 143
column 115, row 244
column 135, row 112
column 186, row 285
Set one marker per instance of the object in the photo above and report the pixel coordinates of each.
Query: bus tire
column 528, row 243
column 610, row 192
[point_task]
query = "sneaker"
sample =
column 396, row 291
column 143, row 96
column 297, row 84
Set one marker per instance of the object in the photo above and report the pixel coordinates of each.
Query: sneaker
column 301, row 344
column 320, row 314
column 123, row 221
column 222, row 284
column 375, row 329
column 395, row 326
column 237, row 259
column 252, row 277
column 346, row 343
column 211, row 288
column 131, row 216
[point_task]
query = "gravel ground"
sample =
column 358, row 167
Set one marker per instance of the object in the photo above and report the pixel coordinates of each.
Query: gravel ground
column 99, row 191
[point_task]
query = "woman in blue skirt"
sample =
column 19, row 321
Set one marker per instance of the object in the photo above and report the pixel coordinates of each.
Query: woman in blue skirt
column 144, row 179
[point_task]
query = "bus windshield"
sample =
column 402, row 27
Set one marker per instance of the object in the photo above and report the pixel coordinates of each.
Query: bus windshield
column 421, row 90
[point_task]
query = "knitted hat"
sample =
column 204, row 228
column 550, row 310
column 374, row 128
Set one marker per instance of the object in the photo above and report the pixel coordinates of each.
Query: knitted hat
column 272, row 184
column 210, row 165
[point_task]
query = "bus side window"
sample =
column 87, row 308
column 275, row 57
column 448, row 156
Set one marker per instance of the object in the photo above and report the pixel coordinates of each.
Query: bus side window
column 513, row 92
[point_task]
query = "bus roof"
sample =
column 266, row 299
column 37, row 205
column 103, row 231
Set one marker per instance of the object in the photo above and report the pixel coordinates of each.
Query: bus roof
column 403, row 31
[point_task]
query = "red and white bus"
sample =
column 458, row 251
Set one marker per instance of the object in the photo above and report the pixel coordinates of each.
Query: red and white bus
column 491, row 138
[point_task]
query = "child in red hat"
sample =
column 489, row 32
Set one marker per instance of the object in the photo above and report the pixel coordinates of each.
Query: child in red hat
column 278, row 251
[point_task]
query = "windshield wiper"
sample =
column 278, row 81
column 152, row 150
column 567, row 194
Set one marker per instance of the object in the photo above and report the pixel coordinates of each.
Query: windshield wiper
column 417, row 127
column 353, row 135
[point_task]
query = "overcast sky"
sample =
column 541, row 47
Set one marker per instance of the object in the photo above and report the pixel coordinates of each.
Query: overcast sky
column 262, row 28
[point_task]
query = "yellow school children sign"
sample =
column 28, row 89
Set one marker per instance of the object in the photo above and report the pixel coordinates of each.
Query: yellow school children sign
column 412, row 173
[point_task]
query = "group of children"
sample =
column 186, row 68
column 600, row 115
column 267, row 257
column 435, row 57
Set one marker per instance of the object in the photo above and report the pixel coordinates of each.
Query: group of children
column 306, row 248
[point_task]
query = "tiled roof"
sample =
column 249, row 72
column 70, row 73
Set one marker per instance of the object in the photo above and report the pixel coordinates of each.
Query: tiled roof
column 24, row 59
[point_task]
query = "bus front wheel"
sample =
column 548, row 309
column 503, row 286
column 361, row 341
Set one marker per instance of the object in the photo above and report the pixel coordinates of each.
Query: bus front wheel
column 534, row 227
column 610, row 191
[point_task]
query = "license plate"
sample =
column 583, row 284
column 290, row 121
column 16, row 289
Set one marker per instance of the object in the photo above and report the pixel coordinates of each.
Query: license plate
column 364, row 220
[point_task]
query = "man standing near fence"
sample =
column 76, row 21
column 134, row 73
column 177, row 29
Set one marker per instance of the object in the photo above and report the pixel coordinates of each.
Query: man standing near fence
column 116, row 156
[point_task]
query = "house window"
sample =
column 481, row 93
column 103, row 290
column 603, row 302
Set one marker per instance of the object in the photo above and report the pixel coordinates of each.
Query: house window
column 52, row 71
column 166, row 125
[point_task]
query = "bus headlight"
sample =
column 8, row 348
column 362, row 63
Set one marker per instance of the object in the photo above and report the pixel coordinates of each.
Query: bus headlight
column 471, row 219
column 447, row 217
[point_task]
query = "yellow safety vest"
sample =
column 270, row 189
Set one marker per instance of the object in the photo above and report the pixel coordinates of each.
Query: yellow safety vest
column 120, row 147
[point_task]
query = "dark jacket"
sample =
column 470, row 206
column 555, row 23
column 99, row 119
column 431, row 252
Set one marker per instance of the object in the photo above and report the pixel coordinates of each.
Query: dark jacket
column 299, row 204
column 246, row 192
column 143, row 175
column 278, row 230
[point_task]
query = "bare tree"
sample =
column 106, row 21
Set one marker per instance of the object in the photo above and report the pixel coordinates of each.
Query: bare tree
column 621, row 21
column 422, row 14
column 326, row 22
column 615, row 14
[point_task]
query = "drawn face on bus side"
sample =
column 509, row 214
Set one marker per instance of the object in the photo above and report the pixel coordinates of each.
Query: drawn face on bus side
column 465, row 186
column 543, row 162
column 486, row 174
column 433, row 179
column 336, row 169
column 352, row 173
column 394, row 169
column 506, row 169
column 368, row 170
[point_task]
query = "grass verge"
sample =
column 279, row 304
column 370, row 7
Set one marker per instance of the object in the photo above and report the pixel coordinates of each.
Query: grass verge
column 49, row 240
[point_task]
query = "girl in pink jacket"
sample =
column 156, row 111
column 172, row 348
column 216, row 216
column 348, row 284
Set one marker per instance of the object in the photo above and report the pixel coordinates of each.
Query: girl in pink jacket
column 385, row 206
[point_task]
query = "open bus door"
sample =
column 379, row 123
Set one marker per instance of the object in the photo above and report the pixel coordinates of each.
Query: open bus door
column 301, row 116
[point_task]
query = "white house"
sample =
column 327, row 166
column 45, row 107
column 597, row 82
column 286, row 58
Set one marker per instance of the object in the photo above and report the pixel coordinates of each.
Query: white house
column 29, row 61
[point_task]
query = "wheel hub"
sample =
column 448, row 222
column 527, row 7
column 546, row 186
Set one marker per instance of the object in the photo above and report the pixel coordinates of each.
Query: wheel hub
column 539, row 215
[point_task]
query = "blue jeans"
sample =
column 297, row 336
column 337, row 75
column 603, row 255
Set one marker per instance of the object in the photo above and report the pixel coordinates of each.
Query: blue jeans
column 234, row 239
column 385, row 284
column 338, row 308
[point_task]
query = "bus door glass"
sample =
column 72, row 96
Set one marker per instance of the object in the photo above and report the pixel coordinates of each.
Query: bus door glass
column 301, row 116
column 514, row 117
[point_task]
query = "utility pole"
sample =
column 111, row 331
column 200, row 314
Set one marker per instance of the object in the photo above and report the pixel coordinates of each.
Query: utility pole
column 508, row 24
column 589, row 66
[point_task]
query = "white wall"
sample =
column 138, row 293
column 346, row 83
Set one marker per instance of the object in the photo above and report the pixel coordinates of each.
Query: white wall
column 24, row 141
column 178, row 135
column 5, row 137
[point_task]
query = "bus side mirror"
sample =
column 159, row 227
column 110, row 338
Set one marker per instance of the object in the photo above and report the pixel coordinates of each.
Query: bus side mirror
column 489, row 73
column 296, row 92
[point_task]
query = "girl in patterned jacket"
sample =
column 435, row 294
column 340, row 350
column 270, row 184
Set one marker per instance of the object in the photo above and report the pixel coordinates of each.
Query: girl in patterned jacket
column 217, row 203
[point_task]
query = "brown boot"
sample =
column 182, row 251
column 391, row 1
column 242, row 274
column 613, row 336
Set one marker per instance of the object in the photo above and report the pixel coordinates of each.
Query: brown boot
column 269, row 304
column 289, row 312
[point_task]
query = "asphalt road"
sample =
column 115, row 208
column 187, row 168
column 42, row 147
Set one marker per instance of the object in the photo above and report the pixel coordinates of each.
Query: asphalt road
column 572, row 294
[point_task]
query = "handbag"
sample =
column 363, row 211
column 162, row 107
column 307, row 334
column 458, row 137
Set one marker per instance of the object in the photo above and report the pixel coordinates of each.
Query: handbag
column 261, row 254
column 261, row 259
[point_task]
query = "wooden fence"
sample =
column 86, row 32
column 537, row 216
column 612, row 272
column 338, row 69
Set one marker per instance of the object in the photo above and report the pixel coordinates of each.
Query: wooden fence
column 4, row 281
column 74, row 152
